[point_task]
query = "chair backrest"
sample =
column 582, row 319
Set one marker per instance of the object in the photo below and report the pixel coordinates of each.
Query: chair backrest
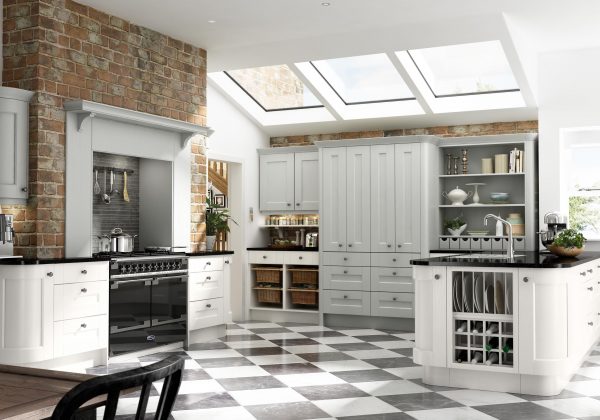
column 169, row 369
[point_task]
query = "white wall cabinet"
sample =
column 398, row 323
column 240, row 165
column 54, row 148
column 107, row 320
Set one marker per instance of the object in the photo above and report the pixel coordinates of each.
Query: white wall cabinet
column 333, row 206
column 383, row 212
column 14, row 136
column 408, row 197
column 289, row 181
column 358, row 187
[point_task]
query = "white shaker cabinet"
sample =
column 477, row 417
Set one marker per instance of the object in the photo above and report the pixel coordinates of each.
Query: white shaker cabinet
column 408, row 197
column 358, row 187
column 14, row 144
column 383, row 212
column 333, row 213
column 277, row 182
column 306, row 180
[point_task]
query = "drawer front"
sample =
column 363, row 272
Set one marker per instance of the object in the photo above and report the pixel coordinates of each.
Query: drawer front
column 392, row 260
column 399, row 305
column 207, row 285
column 347, row 278
column 205, row 313
column 385, row 279
column 265, row 257
column 83, row 272
column 348, row 259
column 78, row 300
column 200, row 264
column 301, row 258
column 80, row 335
column 346, row 302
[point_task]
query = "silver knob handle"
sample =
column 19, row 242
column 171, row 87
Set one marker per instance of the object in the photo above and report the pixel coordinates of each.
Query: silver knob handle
column 208, row 263
column 84, row 290
column 399, row 246
column 582, row 273
column 299, row 258
column 394, row 299
column 394, row 273
column 340, row 245
column 208, row 277
column 297, row 204
column 345, row 271
column 84, row 272
column 591, row 289
column 50, row 274
column 264, row 257
column 389, row 245
column 84, row 325
column 289, row 204
column 437, row 277
column 345, row 258
column 24, row 189
column 208, row 305
column 226, row 261
column 394, row 259
column 349, row 245
column 591, row 324
column 590, row 271
column 345, row 296
column 525, row 279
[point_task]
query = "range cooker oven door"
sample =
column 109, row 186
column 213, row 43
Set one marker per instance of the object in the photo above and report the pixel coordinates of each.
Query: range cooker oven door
column 169, row 309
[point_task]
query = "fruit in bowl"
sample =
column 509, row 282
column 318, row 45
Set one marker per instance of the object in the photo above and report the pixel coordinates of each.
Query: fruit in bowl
column 568, row 243
column 499, row 197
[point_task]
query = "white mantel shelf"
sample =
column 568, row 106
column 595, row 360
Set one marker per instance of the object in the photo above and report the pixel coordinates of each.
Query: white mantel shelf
column 87, row 109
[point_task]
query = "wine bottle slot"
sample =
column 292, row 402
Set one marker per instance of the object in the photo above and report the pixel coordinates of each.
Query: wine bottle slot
column 462, row 356
column 508, row 345
column 477, row 357
column 492, row 328
column 493, row 343
column 492, row 359
column 462, row 327
column 478, row 328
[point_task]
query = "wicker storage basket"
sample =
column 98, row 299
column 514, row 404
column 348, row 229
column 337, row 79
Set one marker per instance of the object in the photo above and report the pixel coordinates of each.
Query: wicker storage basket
column 302, row 297
column 305, row 278
column 268, row 276
column 268, row 296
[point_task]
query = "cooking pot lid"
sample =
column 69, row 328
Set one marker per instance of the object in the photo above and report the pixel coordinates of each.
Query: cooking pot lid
column 118, row 232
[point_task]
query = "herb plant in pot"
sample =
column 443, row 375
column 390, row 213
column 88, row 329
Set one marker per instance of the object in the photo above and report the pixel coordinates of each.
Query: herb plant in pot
column 568, row 243
column 455, row 226
column 217, row 220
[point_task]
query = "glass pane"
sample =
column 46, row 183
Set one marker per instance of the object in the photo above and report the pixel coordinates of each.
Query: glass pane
column 274, row 87
column 366, row 78
column 465, row 69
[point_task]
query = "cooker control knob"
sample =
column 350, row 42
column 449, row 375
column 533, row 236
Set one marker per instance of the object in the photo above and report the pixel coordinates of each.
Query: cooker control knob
column 123, row 269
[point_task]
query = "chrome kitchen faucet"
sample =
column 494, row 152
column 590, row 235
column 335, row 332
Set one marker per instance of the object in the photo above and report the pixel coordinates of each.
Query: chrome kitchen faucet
column 510, row 252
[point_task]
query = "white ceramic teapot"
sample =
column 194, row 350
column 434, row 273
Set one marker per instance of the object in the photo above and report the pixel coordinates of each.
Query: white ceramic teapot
column 457, row 196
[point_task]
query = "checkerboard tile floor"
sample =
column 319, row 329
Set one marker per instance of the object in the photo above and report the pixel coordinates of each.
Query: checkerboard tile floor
column 293, row 371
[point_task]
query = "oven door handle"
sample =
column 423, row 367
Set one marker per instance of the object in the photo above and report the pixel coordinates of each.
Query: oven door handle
column 117, row 283
column 156, row 280
column 156, row 322
column 114, row 330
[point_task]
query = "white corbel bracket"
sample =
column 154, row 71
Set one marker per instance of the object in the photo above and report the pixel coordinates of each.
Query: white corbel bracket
column 81, row 117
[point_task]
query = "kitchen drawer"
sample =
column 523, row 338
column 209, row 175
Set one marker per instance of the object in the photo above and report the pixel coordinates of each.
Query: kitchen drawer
column 346, row 302
column 454, row 243
column 200, row 264
column 266, row 257
column 399, row 305
column 385, row 279
column 80, row 335
column 349, row 259
column 347, row 278
column 205, row 313
column 83, row 272
column 301, row 258
column 392, row 260
column 207, row 285
column 78, row 300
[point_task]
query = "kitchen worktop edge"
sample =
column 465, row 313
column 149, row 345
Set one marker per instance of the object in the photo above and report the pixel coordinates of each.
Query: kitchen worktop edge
column 529, row 259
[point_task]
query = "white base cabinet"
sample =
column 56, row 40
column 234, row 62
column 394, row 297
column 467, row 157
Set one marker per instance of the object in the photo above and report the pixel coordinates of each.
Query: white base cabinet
column 528, row 333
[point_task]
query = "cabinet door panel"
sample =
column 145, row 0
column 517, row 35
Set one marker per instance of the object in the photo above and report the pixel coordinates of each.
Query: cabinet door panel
column 346, row 302
column 398, row 305
column 358, row 223
column 207, row 285
column 346, row 278
column 14, row 135
column 277, row 182
column 333, row 196
column 205, row 313
column 307, row 181
column 383, row 238
column 80, row 335
column 408, row 197
column 78, row 300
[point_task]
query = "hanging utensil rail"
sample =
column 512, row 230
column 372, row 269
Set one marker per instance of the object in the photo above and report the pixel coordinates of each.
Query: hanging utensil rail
column 115, row 170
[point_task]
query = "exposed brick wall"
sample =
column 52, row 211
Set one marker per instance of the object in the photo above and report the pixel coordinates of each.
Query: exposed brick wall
column 442, row 131
column 63, row 50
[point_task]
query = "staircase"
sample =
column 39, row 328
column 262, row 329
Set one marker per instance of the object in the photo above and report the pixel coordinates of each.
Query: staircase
column 217, row 175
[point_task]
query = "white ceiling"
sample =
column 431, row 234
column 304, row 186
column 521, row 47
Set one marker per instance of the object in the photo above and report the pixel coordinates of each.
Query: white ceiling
column 266, row 32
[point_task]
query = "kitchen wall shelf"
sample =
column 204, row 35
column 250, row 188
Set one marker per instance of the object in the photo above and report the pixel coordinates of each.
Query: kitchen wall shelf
column 289, row 226
column 479, row 206
column 481, row 175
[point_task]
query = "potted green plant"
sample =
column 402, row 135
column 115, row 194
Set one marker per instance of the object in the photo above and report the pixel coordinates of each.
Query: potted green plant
column 217, row 220
column 455, row 226
column 568, row 243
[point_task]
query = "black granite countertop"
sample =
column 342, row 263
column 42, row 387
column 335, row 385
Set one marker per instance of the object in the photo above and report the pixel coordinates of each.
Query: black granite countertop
column 527, row 259
column 207, row 253
column 299, row 249
column 36, row 261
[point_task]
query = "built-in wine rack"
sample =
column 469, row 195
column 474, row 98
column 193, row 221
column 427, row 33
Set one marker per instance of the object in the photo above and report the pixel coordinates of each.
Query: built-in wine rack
column 482, row 319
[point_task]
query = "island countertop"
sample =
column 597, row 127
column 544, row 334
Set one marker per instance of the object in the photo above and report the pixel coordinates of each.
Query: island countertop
column 523, row 259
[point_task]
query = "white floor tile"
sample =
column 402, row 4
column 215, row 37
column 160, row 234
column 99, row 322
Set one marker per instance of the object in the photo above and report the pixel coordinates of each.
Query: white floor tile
column 361, row 332
column 213, row 354
column 401, row 344
column 259, row 325
column 267, row 396
column 405, row 336
column 191, row 364
column 472, row 397
column 413, row 372
column 239, row 331
column 455, row 413
column 250, row 344
column 309, row 328
column 576, row 407
column 337, row 340
column 310, row 379
column 282, row 336
column 588, row 388
column 200, row 387
column 372, row 354
column 379, row 388
column 590, row 372
column 355, row 406
column 129, row 406
column 275, row 359
column 343, row 365
column 310, row 348
column 236, row 372
column 224, row 413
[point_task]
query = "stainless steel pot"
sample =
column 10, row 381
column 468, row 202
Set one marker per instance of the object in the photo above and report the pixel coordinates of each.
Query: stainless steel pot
column 121, row 241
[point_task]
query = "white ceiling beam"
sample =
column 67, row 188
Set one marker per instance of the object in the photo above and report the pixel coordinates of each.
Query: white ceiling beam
column 315, row 91
column 410, row 82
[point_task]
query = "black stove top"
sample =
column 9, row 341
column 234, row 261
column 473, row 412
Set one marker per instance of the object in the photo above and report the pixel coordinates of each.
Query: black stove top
column 139, row 254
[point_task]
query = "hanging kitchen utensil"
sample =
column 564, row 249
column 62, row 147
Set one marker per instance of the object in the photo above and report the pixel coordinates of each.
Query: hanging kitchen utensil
column 114, row 190
column 105, row 196
column 96, row 185
column 112, row 182
column 125, row 193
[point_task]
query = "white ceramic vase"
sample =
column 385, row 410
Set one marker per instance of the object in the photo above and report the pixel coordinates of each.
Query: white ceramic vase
column 210, row 242
column 459, row 231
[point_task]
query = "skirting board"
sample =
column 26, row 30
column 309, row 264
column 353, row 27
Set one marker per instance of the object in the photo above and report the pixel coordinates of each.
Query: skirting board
column 376, row 322
column 256, row 314
column 205, row 334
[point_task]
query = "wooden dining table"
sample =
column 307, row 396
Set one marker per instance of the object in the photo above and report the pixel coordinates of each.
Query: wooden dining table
column 29, row 393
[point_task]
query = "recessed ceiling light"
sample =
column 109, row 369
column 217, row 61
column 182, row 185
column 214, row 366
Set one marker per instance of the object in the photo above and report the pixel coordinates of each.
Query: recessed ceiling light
column 212, row 21
column 325, row 3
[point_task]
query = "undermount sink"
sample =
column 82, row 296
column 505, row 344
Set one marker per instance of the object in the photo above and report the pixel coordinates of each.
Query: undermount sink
column 484, row 256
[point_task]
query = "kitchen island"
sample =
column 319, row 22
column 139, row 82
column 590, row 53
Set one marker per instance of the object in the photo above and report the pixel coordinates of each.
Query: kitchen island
column 514, row 325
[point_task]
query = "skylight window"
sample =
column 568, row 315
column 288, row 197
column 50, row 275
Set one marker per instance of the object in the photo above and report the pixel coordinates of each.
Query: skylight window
column 274, row 88
column 364, row 79
column 465, row 69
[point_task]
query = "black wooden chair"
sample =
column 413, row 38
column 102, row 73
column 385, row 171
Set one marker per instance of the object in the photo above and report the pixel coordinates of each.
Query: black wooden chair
column 171, row 369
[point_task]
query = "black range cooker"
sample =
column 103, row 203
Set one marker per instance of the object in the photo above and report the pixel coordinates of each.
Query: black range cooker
column 147, row 300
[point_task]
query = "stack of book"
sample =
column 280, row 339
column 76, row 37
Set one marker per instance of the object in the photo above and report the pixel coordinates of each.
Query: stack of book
column 515, row 162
